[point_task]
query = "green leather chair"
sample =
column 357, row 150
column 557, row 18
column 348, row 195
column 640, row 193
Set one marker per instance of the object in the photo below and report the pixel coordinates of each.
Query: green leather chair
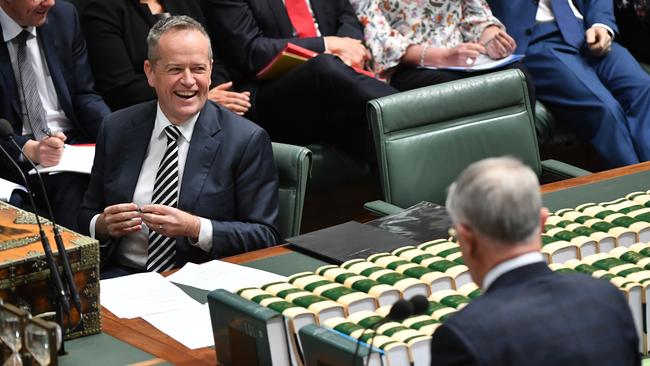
column 425, row 137
column 294, row 163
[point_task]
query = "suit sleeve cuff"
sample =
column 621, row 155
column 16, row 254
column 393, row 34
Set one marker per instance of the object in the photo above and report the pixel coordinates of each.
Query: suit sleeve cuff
column 205, row 235
column 91, row 228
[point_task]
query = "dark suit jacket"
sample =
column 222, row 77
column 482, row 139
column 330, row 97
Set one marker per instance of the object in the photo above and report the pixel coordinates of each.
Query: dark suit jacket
column 116, row 31
column 533, row 316
column 519, row 17
column 229, row 177
column 249, row 33
column 64, row 47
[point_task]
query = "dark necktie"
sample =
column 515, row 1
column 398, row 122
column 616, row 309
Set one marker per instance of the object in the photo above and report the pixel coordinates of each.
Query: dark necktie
column 301, row 18
column 162, row 249
column 570, row 27
column 32, row 107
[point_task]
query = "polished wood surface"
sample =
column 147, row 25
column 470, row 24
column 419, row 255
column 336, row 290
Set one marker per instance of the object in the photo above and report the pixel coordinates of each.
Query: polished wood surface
column 596, row 177
column 142, row 335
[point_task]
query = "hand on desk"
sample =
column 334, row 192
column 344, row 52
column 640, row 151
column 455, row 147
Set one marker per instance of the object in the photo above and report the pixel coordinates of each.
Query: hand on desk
column 170, row 221
column 46, row 152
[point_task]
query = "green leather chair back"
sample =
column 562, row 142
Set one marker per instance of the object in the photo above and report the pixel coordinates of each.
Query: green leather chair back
column 293, row 164
column 425, row 137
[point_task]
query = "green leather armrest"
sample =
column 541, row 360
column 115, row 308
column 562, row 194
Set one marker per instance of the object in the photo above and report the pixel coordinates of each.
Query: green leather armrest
column 563, row 170
column 382, row 208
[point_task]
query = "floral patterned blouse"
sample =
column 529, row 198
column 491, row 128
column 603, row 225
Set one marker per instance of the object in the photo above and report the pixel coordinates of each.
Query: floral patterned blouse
column 391, row 26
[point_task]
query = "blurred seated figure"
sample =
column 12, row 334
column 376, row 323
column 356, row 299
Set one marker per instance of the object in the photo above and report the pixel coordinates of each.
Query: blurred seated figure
column 582, row 74
column 404, row 37
column 322, row 99
column 116, row 32
column 633, row 19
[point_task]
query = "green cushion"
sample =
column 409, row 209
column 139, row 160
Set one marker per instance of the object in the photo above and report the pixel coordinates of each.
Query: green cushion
column 293, row 164
column 425, row 137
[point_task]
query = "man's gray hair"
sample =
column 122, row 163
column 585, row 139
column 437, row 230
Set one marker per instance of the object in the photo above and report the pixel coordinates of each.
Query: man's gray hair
column 173, row 23
column 498, row 197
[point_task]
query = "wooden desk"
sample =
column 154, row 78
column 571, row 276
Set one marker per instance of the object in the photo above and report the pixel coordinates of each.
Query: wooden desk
column 142, row 335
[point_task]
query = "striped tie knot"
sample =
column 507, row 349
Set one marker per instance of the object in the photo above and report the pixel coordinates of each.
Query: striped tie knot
column 172, row 132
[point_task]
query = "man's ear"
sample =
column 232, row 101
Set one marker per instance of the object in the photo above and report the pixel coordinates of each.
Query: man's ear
column 543, row 215
column 148, row 70
column 466, row 239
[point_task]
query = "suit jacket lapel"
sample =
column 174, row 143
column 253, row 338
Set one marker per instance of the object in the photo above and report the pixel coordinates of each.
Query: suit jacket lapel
column 201, row 155
column 280, row 12
column 319, row 15
column 135, row 146
column 49, row 45
column 10, row 86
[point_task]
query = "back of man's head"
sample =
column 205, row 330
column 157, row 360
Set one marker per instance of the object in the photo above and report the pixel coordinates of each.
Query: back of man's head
column 498, row 197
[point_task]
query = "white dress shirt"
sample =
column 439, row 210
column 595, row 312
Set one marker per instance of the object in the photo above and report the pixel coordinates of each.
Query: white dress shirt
column 54, row 116
column 133, row 249
column 545, row 14
column 509, row 265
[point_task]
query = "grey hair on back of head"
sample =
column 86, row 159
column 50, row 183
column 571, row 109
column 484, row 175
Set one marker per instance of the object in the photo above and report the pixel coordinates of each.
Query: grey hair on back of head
column 172, row 24
column 498, row 197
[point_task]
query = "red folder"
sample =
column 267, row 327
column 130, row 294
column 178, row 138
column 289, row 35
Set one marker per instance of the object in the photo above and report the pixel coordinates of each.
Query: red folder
column 289, row 58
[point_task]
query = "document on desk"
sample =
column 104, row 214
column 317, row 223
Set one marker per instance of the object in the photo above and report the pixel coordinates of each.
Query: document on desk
column 75, row 159
column 142, row 294
column 189, row 326
column 7, row 188
column 218, row 274
column 483, row 62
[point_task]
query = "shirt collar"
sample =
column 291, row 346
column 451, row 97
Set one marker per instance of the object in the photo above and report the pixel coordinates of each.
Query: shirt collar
column 509, row 265
column 186, row 128
column 10, row 29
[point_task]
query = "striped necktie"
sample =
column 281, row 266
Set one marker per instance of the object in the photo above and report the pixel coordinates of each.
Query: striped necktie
column 33, row 111
column 162, row 249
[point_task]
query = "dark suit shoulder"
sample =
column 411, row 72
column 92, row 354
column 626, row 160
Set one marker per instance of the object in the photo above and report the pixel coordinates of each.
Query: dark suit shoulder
column 233, row 122
column 123, row 118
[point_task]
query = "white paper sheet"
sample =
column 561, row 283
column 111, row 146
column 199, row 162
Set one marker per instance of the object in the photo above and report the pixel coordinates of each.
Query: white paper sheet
column 217, row 274
column 142, row 294
column 7, row 188
column 76, row 159
column 483, row 62
column 189, row 326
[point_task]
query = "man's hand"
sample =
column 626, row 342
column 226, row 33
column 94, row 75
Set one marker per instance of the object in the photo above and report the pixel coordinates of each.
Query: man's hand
column 498, row 44
column 46, row 152
column 464, row 54
column 598, row 40
column 170, row 221
column 350, row 50
column 118, row 220
column 237, row 102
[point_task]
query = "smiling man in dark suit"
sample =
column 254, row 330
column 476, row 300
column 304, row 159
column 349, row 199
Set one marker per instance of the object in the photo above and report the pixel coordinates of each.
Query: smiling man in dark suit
column 527, row 314
column 181, row 178
column 46, row 92
column 322, row 99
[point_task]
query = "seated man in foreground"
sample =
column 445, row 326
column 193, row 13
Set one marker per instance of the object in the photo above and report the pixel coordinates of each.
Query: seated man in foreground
column 179, row 179
column 527, row 315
